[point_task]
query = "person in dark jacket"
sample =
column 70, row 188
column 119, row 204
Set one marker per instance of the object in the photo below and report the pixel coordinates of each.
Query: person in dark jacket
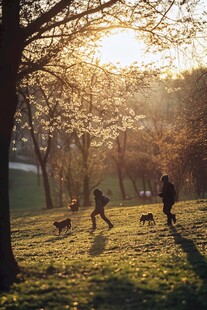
column 168, row 198
column 100, row 201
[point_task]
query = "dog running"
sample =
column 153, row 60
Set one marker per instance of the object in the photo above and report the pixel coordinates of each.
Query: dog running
column 147, row 218
column 63, row 224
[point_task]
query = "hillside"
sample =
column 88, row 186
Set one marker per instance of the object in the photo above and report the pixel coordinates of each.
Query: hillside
column 128, row 267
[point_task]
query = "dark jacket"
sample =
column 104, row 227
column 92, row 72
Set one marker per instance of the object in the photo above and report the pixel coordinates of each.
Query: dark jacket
column 98, row 203
column 168, row 193
column 101, row 201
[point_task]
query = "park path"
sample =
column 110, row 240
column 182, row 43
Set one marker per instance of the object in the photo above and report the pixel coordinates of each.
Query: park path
column 24, row 167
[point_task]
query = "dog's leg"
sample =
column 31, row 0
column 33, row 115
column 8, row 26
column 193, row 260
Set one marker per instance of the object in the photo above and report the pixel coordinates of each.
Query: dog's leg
column 67, row 228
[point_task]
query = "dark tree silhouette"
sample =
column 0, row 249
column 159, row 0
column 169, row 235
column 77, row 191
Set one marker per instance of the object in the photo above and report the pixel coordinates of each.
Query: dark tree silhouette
column 20, row 28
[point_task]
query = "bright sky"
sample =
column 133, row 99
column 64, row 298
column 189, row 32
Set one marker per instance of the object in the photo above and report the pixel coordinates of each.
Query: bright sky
column 122, row 48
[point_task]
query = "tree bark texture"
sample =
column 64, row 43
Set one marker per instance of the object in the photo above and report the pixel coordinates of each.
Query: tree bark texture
column 10, row 53
column 42, row 159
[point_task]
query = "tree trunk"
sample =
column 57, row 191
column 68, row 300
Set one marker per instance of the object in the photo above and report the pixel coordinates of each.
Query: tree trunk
column 42, row 161
column 48, row 198
column 120, row 163
column 121, row 182
column 134, row 183
column 86, row 187
column 8, row 265
column 86, row 179
column 86, row 191
column 61, row 188
column 45, row 177
column 10, row 54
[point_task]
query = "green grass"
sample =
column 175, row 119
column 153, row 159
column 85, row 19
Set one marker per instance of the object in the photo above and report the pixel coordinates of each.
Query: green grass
column 129, row 267
column 26, row 191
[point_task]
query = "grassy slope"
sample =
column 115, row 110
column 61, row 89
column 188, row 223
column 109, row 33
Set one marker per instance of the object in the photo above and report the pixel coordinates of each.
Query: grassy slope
column 129, row 267
column 26, row 192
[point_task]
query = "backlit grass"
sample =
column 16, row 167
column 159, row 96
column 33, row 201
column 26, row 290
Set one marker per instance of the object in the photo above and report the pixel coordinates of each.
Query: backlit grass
column 129, row 267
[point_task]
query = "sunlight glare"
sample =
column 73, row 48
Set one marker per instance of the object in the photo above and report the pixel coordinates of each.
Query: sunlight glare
column 121, row 48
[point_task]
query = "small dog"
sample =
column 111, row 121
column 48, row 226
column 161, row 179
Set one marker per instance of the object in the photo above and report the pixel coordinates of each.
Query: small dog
column 147, row 217
column 63, row 224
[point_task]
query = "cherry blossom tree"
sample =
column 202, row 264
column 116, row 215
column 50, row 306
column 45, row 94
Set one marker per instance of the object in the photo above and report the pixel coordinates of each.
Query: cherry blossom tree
column 23, row 24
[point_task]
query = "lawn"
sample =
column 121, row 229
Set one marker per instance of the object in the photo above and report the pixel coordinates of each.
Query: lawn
column 128, row 267
column 26, row 191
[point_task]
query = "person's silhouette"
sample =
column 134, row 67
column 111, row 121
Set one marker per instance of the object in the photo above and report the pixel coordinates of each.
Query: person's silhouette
column 100, row 202
column 168, row 198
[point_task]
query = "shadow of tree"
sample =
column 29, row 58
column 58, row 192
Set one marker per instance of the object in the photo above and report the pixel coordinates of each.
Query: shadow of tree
column 120, row 293
column 98, row 245
column 194, row 257
column 187, row 295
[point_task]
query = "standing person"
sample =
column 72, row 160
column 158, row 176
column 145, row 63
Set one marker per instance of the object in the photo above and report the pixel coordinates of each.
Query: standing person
column 168, row 198
column 100, row 201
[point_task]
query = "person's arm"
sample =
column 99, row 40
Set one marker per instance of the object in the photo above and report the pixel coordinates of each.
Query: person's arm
column 161, row 194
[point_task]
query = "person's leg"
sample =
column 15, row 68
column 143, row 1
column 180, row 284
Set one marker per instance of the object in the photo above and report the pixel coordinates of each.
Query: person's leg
column 166, row 211
column 103, row 216
column 174, row 218
column 93, row 218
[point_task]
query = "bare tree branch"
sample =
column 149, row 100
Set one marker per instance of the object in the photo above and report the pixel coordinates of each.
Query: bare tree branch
column 36, row 25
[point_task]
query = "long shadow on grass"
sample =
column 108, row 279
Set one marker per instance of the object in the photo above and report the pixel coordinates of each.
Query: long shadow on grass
column 120, row 293
column 194, row 257
column 98, row 245
column 59, row 237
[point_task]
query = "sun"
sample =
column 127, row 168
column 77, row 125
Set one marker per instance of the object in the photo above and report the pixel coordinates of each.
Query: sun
column 123, row 48
column 120, row 48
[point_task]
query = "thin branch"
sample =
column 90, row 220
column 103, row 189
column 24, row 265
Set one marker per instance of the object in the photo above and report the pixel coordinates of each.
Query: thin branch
column 36, row 25
column 163, row 15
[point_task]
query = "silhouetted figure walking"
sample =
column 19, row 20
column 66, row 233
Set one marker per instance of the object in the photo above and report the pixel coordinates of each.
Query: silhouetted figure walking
column 100, row 201
column 168, row 198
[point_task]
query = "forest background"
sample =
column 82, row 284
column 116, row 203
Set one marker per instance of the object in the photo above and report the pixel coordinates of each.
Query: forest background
column 86, row 119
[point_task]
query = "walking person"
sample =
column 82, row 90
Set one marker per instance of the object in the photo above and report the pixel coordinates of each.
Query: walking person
column 168, row 198
column 100, row 201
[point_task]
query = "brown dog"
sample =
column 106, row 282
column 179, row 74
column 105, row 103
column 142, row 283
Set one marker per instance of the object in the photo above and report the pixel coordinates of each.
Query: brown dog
column 147, row 218
column 63, row 224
